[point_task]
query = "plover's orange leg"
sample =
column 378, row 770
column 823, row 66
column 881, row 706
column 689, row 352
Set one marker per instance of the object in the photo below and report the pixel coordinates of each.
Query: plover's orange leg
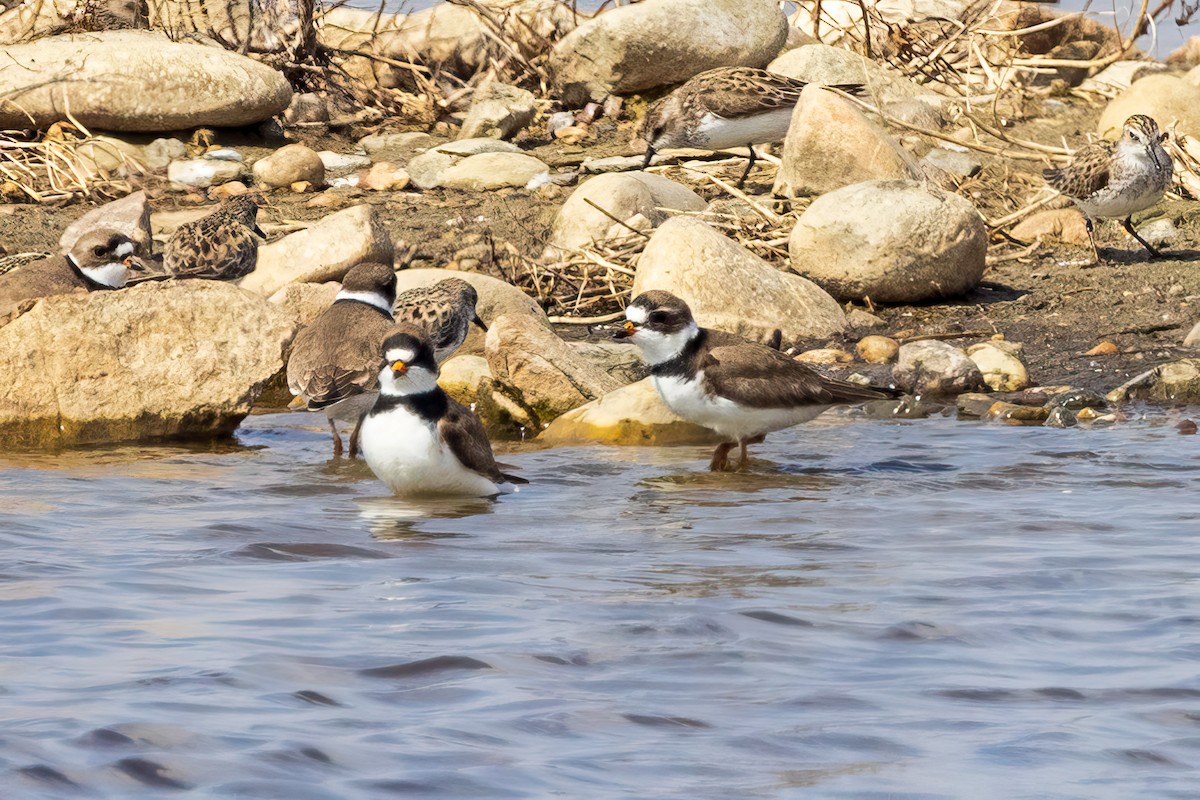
column 743, row 456
column 354, row 436
column 337, row 440
column 720, row 459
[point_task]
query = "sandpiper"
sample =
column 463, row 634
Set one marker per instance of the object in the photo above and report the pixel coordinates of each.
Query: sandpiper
column 100, row 259
column 1107, row 179
column 742, row 390
column 334, row 363
column 443, row 311
column 725, row 107
column 419, row 441
column 220, row 246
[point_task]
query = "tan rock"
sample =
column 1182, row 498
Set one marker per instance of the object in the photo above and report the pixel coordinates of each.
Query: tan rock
column 877, row 349
column 292, row 163
column 1187, row 54
column 825, row 355
column 304, row 302
column 891, row 241
column 228, row 190
column 538, row 370
column 731, row 289
column 1001, row 369
column 130, row 215
column 107, row 155
column 1103, row 349
column 636, row 198
column 1175, row 382
column 831, row 144
column 632, row 415
column 641, row 46
column 131, row 80
column 383, row 176
column 323, row 252
column 464, row 376
column 191, row 359
column 498, row 111
column 1065, row 224
column 1173, row 102
column 493, row 171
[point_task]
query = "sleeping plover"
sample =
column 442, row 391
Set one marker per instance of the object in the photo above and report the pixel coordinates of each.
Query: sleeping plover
column 220, row 246
column 100, row 259
column 419, row 441
column 335, row 361
column 725, row 107
column 443, row 311
column 1107, row 179
column 740, row 389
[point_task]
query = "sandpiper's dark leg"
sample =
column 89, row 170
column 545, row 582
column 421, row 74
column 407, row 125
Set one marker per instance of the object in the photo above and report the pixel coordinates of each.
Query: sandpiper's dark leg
column 337, row 440
column 649, row 156
column 776, row 340
column 749, row 166
column 1128, row 223
column 354, row 436
column 1091, row 229
column 720, row 458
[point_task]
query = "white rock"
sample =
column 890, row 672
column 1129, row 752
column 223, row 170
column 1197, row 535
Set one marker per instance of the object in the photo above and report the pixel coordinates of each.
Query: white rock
column 731, row 289
column 290, row 164
column 161, row 152
column 338, row 164
column 493, row 171
column 1002, row 370
column 132, row 80
column 476, row 145
column 933, row 367
column 323, row 252
column 891, row 241
column 641, row 46
column 626, row 196
column 200, row 173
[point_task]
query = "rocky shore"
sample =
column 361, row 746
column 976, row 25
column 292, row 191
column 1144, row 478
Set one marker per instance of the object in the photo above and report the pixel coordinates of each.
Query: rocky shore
column 900, row 236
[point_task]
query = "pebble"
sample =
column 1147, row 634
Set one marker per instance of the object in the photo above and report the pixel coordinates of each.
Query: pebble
column 477, row 145
column 1103, row 349
column 228, row 190
column 1002, row 370
column 1021, row 415
column 384, row 176
column 200, row 173
column 1076, row 399
column 224, row 154
column 877, row 349
column 288, row 165
column 596, row 166
column 825, row 355
column 1193, row 337
column 558, row 120
column 963, row 165
column 1159, row 232
column 858, row 319
column 161, row 152
column 338, row 164
column 1186, row 427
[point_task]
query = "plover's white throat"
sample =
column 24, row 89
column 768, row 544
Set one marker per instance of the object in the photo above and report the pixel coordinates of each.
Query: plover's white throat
column 100, row 259
column 444, row 311
column 1114, row 180
column 740, row 389
column 419, row 441
column 334, row 365
column 723, row 108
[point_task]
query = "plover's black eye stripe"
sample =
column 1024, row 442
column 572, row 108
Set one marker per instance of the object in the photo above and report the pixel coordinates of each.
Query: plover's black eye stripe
column 659, row 317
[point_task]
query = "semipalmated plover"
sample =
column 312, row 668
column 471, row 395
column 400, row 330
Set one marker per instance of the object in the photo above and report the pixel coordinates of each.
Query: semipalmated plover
column 220, row 246
column 334, row 365
column 1118, row 179
column 443, row 311
column 742, row 390
column 723, row 108
column 99, row 260
column 418, row 440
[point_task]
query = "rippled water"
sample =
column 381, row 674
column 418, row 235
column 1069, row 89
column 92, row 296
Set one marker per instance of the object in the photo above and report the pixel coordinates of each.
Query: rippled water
column 927, row 609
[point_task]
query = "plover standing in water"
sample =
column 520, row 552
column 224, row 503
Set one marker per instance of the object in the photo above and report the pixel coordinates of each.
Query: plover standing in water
column 723, row 108
column 419, row 441
column 221, row 246
column 1118, row 179
column 100, row 259
column 443, row 311
column 742, row 390
column 334, row 365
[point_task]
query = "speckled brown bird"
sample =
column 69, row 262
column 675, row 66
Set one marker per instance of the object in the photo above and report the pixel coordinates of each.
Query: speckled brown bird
column 334, row 364
column 1118, row 179
column 725, row 107
column 444, row 312
column 220, row 246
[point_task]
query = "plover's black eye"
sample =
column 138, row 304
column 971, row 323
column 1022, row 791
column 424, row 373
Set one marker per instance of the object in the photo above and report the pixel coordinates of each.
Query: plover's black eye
column 98, row 249
column 659, row 317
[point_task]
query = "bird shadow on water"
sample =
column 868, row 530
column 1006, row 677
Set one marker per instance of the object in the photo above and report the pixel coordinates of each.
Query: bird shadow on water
column 402, row 519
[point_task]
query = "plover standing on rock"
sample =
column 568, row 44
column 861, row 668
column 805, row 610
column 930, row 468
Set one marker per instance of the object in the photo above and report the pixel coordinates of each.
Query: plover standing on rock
column 723, row 108
column 742, row 390
column 418, row 440
column 443, row 311
column 334, row 363
column 1118, row 179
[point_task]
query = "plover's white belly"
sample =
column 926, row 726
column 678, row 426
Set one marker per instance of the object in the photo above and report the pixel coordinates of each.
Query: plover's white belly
column 717, row 133
column 1122, row 202
column 406, row 453
column 689, row 400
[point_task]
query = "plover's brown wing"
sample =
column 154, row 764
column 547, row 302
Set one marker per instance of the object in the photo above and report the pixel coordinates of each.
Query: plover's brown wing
column 338, row 355
column 214, row 247
column 755, row 375
column 463, row 433
column 733, row 92
column 1087, row 173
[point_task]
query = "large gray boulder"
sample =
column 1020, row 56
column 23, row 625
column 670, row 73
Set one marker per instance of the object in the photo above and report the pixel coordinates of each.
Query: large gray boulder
column 641, row 46
column 192, row 358
column 831, row 144
column 135, row 81
column 891, row 241
column 829, row 66
column 731, row 289
column 638, row 199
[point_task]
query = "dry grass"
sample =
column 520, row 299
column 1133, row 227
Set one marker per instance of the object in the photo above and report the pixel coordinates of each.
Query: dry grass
column 59, row 166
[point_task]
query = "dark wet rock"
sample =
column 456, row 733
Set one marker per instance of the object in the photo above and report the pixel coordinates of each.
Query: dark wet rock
column 1174, row 382
column 1017, row 414
column 973, row 405
column 1076, row 399
column 150, row 773
column 934, row 367
column 1060, row 417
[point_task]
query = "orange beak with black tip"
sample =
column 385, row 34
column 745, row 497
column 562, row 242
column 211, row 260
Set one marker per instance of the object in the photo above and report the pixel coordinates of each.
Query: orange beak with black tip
column 625, row 331
column 134, row 264
column 399, row 368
